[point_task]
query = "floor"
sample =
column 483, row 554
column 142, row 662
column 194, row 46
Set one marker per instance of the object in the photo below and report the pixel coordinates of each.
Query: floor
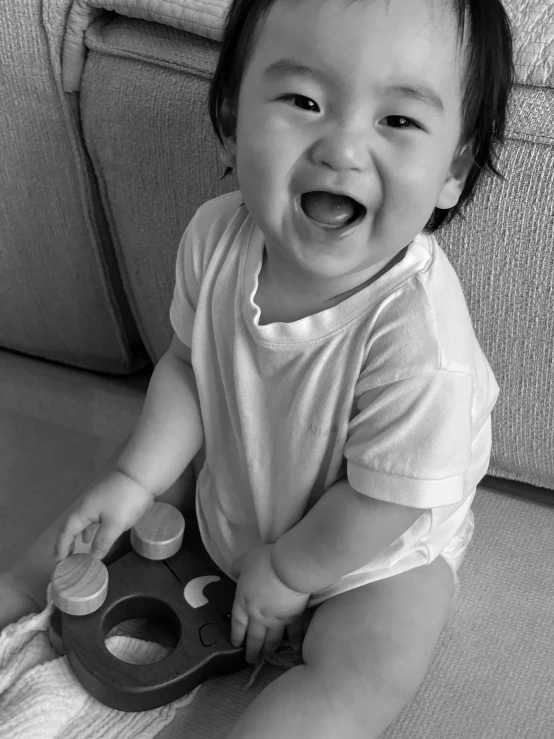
column 58, row 425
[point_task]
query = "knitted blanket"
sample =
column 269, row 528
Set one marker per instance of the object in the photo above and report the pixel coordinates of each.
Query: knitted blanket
column 40, row 698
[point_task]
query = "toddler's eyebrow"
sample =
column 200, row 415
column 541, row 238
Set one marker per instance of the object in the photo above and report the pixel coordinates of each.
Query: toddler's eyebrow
column 415, row 91
column 284, row 67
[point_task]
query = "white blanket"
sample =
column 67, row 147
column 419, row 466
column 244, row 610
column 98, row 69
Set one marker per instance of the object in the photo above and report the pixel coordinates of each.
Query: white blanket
column 41, row 699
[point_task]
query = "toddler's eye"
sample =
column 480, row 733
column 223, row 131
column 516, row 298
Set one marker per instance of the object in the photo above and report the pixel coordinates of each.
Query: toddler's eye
column 399, row 121
column 301, row 101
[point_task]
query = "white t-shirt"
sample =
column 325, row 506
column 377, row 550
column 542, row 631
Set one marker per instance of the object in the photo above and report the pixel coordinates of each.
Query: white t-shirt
column 389, row 388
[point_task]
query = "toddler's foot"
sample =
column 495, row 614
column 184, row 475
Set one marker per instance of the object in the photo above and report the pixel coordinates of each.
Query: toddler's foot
column 15, row 602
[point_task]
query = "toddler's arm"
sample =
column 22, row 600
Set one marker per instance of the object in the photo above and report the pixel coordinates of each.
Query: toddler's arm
column 342, row 532
column 171, row 422
column 168, row 435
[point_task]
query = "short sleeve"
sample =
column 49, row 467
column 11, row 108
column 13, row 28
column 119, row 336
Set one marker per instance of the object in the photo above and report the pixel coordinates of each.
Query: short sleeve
column 409, row 441
column 187, row 287
column 206, row 230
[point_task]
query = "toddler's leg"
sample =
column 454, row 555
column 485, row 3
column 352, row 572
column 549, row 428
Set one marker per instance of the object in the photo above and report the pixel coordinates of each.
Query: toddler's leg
column 366, row 652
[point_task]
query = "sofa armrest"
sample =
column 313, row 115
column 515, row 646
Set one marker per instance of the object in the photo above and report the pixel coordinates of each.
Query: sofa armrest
column 195, row 16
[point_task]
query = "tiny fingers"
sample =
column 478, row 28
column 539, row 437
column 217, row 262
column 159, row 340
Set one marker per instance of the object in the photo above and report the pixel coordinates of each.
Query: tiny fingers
column 104, row 539
column 65, row 543
column 273, row 639
column 255, row 640
column 88, row 534
column 239, row 625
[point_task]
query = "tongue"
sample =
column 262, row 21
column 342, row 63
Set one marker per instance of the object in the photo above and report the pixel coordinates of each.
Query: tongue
column 328, row 208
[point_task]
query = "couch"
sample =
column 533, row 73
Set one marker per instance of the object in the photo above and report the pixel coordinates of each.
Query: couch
column 107, row 151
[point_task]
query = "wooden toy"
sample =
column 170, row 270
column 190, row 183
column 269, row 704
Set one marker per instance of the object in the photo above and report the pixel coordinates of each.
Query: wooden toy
column 178, row 589
column 80, row 584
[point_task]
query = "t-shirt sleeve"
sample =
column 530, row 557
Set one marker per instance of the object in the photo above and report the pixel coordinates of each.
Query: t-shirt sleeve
column 187, row 286
column 409, row 441
column 208, row 226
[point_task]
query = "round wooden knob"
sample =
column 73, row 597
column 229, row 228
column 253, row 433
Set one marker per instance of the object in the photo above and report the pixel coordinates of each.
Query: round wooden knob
column 159, row 533
column 80, row 584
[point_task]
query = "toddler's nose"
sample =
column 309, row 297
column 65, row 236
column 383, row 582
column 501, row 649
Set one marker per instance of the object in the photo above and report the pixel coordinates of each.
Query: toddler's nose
column 342, row 149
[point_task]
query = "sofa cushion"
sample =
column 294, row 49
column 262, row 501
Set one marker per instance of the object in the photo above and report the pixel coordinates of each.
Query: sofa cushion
column 61, row 296
column 148, row 134
column 533, row 29
column 532, row 22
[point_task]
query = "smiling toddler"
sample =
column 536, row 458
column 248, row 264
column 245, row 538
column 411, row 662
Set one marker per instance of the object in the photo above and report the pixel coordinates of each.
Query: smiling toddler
column 323, row 354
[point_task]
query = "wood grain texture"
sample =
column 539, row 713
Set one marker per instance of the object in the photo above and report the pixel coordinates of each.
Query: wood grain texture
column 159, row 533
column 80, row 584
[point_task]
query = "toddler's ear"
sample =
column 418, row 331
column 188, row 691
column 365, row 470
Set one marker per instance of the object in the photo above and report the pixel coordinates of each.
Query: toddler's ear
column 459, row 170
column 228, row 155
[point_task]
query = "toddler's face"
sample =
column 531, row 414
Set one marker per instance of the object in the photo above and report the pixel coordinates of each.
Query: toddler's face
column 357, row 99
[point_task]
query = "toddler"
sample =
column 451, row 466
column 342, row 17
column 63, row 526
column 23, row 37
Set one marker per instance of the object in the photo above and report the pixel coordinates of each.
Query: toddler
column 323, row 355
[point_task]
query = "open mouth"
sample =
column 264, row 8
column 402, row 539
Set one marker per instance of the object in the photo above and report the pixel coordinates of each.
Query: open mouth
column 331, row 210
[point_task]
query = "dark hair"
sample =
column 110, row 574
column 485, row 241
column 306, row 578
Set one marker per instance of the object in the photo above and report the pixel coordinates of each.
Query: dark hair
column 488, row 82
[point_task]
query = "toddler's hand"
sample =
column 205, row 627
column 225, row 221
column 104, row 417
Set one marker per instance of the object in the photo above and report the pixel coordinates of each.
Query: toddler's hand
column 111, row 507
column 263, row 605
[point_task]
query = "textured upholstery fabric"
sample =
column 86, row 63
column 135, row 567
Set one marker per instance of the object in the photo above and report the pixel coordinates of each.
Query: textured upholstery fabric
column 504, row 255
column 532, row 21
column 143, row 97
column 533, row 27
column 60, row 293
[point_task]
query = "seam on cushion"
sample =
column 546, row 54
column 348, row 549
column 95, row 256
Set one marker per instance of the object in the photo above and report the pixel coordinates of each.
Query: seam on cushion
column 123, row 53
column 179, row 4
column 515, row 135
column 160, row 62
column 107, row 5
column 86, row 195
column 123, row 270
column 154, row 13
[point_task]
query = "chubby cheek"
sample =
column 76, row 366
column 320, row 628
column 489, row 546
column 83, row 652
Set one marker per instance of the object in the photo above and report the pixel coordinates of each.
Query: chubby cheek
column 256, row 185
column 413, row 196
column 264, row 165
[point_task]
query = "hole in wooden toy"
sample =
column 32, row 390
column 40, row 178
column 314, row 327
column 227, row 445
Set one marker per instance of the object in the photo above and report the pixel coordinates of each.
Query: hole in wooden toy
column 154, row 631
